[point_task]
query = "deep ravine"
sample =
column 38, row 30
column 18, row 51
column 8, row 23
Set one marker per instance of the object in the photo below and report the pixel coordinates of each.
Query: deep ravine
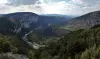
column 33, row 45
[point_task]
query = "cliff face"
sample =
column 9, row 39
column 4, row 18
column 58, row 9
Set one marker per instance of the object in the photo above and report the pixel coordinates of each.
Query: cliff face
column 27, row 21
column 25, row 18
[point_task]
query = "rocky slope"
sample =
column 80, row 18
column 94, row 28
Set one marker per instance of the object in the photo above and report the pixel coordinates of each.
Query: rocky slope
column 84, row 21
column 23, row 23
column 13, row 56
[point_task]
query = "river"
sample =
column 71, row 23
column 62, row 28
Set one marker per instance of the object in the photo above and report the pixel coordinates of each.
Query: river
column 33, row 45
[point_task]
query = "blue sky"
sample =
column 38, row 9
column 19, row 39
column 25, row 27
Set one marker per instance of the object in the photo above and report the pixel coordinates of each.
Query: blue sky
column 67, row 7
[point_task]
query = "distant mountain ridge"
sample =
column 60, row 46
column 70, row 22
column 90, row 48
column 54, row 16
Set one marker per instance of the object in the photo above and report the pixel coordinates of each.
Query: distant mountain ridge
column 85, row 21
column 27, row 21
column 40, row 20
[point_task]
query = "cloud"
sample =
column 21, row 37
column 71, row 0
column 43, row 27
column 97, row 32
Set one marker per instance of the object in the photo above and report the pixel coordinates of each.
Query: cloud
column 70, row 7
column 87, row 3
column 21, row 2
column 22, row 8
column 77, row 1
column 2, row 2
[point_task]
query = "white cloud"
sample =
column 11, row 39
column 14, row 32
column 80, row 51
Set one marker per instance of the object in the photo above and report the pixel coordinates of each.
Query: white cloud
column 77, row 1
column 72, row 7
column 22, row 8
column 3, row 2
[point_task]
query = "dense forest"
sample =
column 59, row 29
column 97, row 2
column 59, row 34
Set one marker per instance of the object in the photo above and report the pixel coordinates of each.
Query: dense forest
column 79, row 44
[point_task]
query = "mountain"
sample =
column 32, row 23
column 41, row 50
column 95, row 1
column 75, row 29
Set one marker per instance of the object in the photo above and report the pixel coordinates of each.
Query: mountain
column 84, row 21
column 2, row 15
column 36, row 20
column 46, row 20
column 25, row 35
column 24, row 22
column 79, row 44
column 26, row 18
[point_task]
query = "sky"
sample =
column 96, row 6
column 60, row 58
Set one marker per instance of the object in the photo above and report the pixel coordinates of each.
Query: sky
column 65, row 7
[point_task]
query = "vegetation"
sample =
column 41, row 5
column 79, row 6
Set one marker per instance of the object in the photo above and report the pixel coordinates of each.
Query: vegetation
column 36, row 37
column 13, row 44
column 79, row 44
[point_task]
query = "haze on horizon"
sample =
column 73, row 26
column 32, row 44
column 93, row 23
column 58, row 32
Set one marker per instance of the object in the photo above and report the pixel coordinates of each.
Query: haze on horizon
column 65, row 7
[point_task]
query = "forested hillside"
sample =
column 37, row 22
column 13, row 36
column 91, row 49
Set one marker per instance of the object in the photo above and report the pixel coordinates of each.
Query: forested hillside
column 80, row 44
